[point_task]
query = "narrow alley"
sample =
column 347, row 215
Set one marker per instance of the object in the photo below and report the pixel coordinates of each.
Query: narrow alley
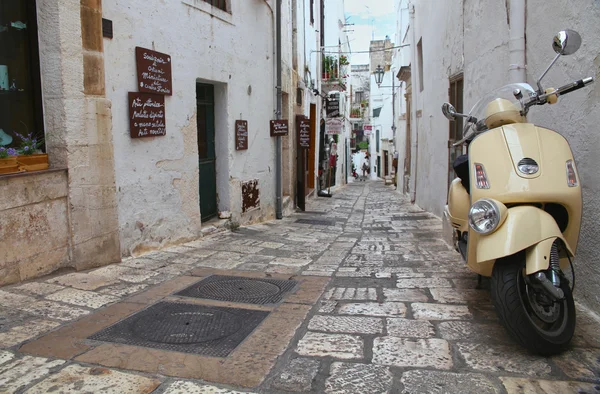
column 358, row 294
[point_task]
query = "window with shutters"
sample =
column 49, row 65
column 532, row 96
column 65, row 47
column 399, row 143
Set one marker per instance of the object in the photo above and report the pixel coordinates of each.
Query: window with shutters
column 455, row 96
column 220, row 4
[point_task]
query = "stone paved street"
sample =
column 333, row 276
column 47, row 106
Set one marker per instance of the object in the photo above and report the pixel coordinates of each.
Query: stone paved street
column 387, row 307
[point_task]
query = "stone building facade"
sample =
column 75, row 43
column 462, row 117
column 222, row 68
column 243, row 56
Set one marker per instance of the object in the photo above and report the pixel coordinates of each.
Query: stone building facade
column 107, row 195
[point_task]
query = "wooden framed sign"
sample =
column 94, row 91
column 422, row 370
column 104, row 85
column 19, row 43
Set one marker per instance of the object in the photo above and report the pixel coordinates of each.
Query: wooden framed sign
column 303, row 132
column 241, row 134
column 153, row 71
column 279, row 127
column 146, row 115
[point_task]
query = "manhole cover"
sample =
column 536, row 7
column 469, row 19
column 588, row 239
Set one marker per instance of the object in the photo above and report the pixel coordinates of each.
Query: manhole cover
column 313, row 212
column 412, row 217
column 316, row 222
column 187, row 328
column 381, row 228
column 239, row 289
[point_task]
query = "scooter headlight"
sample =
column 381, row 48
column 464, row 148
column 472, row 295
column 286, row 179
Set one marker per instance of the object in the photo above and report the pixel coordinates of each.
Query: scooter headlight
column 484, row 216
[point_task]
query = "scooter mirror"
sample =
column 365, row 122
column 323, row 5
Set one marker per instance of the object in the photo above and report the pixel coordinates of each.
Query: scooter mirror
column 566, row 42
column 449, row 111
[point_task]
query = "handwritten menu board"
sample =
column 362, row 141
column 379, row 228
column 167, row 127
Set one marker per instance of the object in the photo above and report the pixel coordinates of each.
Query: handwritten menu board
column 303, row 132
column 146, row 115
column 241, row 134
column 332, row 108
column 154, row 71
column 279, row 127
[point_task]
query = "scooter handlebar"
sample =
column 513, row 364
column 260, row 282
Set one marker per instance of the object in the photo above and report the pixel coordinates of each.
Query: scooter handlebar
column 573, row 86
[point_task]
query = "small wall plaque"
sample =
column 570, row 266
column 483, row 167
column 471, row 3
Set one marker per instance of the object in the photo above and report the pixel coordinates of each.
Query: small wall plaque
column 303, row 132
column 241, row 134
column 279, row 127
column 146, row 115
column 107, row 28
column 154, row 71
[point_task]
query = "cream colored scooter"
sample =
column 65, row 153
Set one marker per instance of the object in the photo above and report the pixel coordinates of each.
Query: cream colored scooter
column 515, row 210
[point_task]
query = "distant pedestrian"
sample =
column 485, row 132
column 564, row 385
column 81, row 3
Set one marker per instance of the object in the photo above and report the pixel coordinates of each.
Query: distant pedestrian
column 365, row 168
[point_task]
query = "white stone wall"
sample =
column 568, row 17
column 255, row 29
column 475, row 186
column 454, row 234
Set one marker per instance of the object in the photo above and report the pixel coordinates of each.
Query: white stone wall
column 472, row 36
column 576, row 115
column 157, row 178
column 439, row 27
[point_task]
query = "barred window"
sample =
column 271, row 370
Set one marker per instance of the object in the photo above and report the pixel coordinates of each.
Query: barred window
column 220, row 4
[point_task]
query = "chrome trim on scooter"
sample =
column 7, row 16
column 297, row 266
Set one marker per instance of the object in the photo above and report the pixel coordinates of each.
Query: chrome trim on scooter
column 552, row 291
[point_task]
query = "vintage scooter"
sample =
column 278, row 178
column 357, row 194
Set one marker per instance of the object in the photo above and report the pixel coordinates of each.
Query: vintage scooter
column 515, row 210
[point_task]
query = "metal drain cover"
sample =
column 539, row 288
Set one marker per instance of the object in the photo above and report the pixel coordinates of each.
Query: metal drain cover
column 316, row 222
column 187, row 328
column 240, row 289
column 412, row 217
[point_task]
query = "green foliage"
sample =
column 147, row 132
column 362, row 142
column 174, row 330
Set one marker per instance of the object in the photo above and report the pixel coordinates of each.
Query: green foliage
column 363, row 145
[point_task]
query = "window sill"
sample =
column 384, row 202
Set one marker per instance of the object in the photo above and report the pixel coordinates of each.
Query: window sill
column 209, row 9
column 31, row 173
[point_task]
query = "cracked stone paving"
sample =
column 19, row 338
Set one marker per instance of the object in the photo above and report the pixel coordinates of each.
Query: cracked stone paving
column 382, row 305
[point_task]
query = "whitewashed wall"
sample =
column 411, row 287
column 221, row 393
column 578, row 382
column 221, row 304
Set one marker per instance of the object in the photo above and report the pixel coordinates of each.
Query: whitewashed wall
column 482, row 53
column 157, row 178
column 576, row 115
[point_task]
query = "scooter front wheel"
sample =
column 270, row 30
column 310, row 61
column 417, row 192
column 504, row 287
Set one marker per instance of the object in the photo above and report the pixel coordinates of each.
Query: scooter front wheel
column 543, row 327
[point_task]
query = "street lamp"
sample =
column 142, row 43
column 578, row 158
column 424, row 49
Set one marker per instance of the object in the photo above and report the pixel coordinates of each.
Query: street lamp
column 379, row 71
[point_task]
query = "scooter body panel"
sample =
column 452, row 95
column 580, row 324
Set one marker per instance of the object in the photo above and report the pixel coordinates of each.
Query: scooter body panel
column 499, row 151
column 458, row 205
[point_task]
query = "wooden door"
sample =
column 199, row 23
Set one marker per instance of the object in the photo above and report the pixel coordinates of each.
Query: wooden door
column 456, row 127
column 206, row 150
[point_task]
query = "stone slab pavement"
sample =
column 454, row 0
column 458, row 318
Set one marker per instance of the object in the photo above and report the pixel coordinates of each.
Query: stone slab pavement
column 395, row 311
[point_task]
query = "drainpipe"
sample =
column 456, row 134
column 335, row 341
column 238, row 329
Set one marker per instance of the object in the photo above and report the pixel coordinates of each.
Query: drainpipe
column 278, row 99
column 414, row 158
column 516, row 45
column 279, row 192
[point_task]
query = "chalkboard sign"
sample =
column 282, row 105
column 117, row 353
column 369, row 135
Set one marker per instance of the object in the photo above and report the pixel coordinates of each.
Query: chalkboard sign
column 332, row 108
column 241, row 134
column 303, row 132
column 279, row 127
column 153, row 71
column 146, row 115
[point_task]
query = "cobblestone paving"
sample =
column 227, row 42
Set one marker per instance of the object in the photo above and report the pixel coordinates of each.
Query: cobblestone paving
column 400, row 314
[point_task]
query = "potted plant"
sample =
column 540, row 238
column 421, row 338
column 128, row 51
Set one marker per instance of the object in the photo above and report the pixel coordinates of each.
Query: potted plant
column 326, row 66
column 30, row 157
column 8, row 160
column 344, row 63
column 334, row 67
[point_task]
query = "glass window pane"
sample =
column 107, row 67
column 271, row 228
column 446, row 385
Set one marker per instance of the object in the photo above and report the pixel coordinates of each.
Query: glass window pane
column 20, row 105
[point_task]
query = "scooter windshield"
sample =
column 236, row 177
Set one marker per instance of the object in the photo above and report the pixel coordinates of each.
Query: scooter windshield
column 478, row 110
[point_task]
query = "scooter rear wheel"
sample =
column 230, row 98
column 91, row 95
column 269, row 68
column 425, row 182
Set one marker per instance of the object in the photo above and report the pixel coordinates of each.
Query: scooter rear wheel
column 543, row 329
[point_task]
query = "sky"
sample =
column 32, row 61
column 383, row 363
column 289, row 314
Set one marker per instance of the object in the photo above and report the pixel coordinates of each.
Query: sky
column 370, row 17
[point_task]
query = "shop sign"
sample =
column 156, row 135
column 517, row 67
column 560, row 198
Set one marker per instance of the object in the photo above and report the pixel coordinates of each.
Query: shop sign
column 333, row 126
column 241, row 134
column 153, row 71
column 332, row 107
column 146, row 115
column 279, row 127
column 303, row 132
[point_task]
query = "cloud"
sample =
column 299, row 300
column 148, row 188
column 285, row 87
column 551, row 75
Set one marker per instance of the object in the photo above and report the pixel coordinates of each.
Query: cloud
column 375, row 7
column 374, row 22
